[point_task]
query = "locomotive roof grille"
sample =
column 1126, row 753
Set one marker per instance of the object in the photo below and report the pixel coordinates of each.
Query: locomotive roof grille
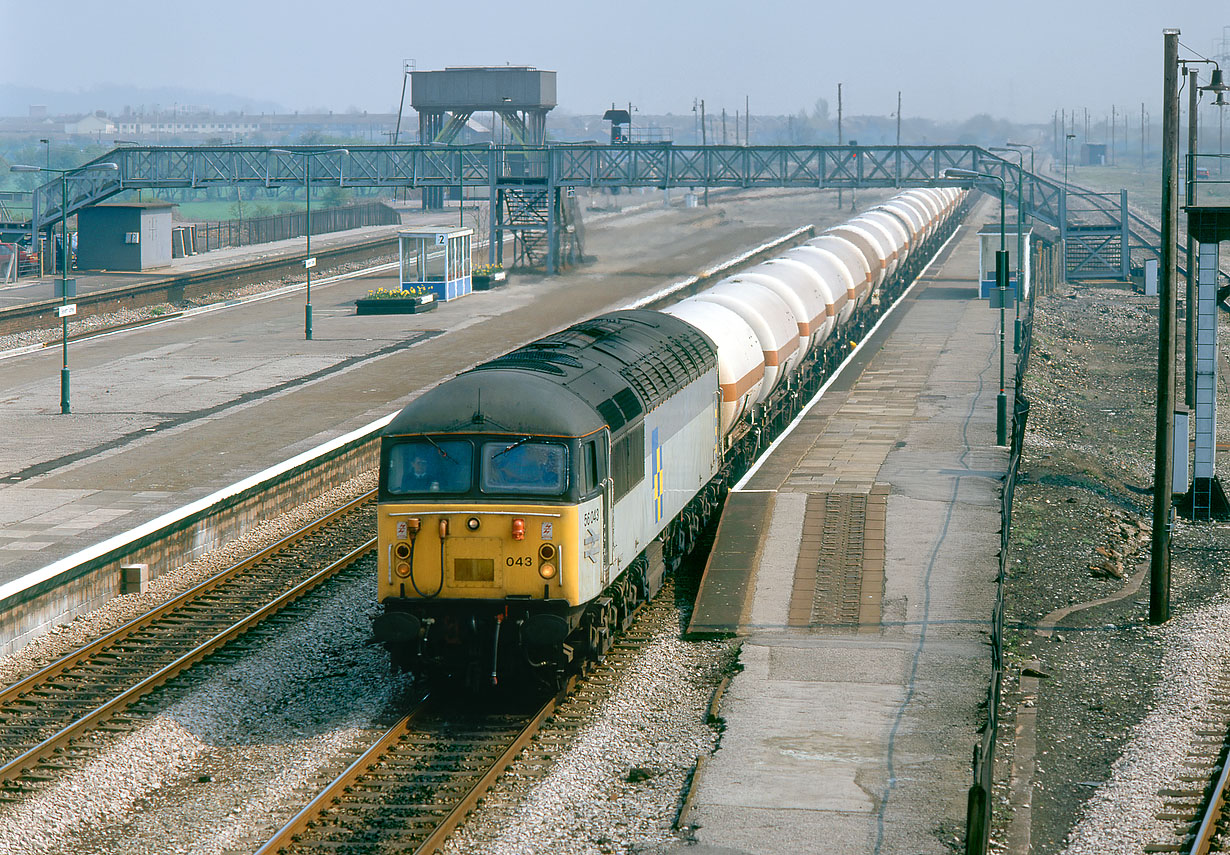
column 533, row 355
column 621, row 364
column 526, row 363
column 610, row 411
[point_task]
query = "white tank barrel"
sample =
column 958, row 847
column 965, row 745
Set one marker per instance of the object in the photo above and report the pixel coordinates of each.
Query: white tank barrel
column 930, row 204
column 910, row 218
column 770, row 318
column 888, row 240
column 894, row 226
column 781, row 281
column 852, row 259
column 924, row 210
column 869, row 245
column 740, row 359
column 834, row 274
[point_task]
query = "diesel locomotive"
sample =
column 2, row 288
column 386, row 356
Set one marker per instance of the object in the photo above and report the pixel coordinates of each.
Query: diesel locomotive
column 529, row 505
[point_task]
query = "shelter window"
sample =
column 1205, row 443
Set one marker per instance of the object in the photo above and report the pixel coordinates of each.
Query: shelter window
column 443, row 466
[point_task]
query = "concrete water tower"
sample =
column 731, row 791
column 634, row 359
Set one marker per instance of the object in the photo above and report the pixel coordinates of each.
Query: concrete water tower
column 445, row 100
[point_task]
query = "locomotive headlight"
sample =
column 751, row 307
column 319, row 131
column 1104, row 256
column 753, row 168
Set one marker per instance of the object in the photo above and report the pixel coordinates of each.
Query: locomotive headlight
column 472, row 523
column 402, row 569
column 402, row 551
column 547, row 553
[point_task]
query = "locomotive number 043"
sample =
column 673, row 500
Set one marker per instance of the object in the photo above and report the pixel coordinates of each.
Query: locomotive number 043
column 519, row 561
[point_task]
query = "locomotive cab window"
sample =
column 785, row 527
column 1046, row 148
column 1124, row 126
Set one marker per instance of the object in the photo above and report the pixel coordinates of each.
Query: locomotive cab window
column 593, row 468
column 442, row 466
column 524, row 466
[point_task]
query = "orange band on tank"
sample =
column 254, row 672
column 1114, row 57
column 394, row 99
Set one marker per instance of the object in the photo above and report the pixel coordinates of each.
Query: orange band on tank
column 782, row 354
column 735, row 391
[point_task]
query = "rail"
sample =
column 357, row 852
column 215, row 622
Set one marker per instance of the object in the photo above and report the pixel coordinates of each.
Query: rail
column 348, row 786
column 89, row 665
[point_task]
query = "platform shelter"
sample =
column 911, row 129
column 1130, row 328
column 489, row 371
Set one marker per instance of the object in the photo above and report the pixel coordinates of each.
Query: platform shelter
column 438, row 259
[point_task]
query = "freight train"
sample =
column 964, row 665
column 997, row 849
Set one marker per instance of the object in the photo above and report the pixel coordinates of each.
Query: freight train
column 529, row 505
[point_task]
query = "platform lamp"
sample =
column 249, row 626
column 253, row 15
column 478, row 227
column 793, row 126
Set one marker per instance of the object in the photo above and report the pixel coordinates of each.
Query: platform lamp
column 1020, row 242
column 65, row 409
column 1001, row 283
column 1032, row 171
column 1067, row 138
column 1217, row 85
column 308, row 262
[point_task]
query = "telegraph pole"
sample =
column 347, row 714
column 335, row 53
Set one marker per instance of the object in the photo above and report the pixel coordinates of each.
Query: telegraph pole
column 898, row 118
column 1163, row 469
column 1189, row 351
column 704, row 140
column 839, row 200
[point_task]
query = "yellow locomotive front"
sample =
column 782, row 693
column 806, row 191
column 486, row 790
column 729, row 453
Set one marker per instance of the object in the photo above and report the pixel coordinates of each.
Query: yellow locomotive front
column 519, row 537
column 486, row 562
column 501, row 490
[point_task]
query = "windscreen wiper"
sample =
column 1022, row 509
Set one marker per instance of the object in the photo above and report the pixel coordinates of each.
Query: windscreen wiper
column 522, row 441
column 443, row 453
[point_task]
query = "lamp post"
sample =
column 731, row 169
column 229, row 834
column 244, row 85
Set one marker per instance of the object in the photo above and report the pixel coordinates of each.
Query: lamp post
column 1066, row 138
column 65, row 409
column 1032, row 171
column 1001, row 283
column 1020, row 243
column 308, row 262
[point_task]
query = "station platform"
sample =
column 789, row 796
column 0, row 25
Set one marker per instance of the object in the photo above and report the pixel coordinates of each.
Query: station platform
column 858, row 566
column 172, row 412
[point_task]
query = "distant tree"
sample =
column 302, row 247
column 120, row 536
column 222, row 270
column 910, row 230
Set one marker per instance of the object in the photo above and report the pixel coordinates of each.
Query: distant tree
column 334, row 196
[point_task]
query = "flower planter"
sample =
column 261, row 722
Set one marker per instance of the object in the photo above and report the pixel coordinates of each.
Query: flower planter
column 487, row 281
column 395, row 305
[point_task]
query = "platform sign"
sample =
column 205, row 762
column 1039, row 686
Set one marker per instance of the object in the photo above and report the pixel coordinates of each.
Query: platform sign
column 310, row 262
column 1002, row 298
column 65, row 311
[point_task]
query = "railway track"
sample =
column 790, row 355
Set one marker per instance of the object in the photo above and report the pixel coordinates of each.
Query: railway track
column 45, row 716
column 417, row 784
column 1196, row 803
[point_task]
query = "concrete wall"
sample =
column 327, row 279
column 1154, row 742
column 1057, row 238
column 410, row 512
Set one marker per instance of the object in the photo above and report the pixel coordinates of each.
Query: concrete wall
column 83, row 586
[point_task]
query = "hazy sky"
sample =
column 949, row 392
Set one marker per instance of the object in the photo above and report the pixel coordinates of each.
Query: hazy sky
column 950, row 59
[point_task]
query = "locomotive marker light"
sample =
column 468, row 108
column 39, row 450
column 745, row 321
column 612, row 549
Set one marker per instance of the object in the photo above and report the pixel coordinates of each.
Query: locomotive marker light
column 309, row 261
column 65, row 409
column 1001, row 285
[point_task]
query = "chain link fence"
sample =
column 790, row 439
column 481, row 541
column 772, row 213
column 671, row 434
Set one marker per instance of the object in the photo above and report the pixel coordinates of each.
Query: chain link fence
column 1046, row 264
